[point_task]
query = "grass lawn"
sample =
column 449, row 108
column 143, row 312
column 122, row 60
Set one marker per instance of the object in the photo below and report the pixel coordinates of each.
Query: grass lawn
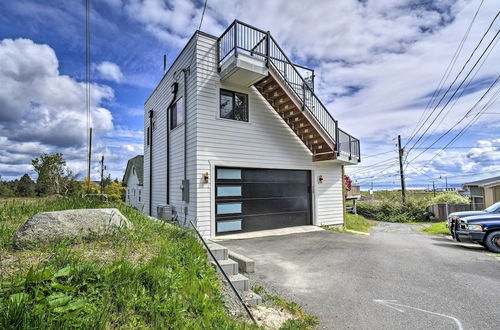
column 436, row 229
column 358, row 223
column 152, row 276
column 354, row 222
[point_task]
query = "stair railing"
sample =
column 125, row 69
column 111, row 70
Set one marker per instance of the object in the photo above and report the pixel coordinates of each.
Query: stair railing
column 242, row 37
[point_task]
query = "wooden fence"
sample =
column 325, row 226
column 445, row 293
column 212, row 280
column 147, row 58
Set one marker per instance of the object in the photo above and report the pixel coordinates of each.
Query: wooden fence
column 441, row 211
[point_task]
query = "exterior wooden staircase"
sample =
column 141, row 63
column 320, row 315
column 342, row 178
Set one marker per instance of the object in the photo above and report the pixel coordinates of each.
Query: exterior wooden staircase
column 260, row 61
column 290, row 109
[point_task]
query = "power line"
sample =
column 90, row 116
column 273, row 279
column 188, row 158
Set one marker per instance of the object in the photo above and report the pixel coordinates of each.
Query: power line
column 474, row 119
column 446, row 74
column 459, row 96
column 460, row 121
column 461, row 147
column 202, row 14
column 87, row 90
column 374, row 155
column 451, row 85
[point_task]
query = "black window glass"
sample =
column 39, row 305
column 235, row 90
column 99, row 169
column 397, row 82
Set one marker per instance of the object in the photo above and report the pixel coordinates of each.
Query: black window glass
column 177, row 113
column 233, row 105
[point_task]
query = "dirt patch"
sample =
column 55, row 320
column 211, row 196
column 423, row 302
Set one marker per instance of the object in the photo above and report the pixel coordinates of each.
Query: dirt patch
column 13, row 262
column 271, row 318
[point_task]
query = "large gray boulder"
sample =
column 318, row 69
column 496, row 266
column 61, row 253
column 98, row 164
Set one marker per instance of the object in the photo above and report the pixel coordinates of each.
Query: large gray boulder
column 46, row 227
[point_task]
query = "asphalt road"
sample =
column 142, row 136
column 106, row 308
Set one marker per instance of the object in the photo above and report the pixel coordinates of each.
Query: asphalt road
column 347, row 281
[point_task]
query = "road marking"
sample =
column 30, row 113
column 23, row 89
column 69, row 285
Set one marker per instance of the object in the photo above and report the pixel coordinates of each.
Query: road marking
column 393, row 303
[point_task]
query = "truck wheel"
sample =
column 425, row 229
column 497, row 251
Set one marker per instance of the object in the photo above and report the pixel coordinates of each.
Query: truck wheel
column 493, row 241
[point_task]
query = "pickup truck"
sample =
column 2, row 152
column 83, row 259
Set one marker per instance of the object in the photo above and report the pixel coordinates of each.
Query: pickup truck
column 481, row 229
column 454, row 218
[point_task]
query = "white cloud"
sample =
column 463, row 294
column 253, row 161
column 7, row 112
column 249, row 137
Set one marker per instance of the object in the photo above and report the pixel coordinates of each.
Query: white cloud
column 37, row 103
column 109, row 71
column 42, row 110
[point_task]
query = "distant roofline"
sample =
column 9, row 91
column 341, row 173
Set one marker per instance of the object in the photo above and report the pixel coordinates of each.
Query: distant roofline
column 484, row 182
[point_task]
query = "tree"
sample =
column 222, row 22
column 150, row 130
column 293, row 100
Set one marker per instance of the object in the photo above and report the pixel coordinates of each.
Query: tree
column 87, row 183
column 114, row 191
column 50, row 169
column 70, row 186
column 25, row 187
column 5, row 189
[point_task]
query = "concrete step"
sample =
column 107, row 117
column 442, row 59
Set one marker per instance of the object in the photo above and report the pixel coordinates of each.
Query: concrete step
column 230, row 266
column 220, row 252
column 251, row 298
column 240, row 282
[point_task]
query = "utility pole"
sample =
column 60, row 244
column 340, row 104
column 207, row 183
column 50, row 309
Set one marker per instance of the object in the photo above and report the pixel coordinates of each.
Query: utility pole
column 102, row 174
column 446, row 183
column 433, row 188
column 401, row 172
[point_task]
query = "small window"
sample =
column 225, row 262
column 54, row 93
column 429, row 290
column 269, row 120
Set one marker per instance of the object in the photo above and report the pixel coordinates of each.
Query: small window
column 139, row 195
column 228, row 208
column 229, row 173
column 233, row 105
column 228, row 191
column 177, row 113
column 133, row 170
column 231, row 225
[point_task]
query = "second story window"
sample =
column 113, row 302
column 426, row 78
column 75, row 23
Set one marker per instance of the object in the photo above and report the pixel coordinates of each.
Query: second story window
column 233, row 105
column 177, row 113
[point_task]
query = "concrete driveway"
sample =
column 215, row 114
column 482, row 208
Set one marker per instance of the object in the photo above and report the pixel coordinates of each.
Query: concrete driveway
column 397, row 278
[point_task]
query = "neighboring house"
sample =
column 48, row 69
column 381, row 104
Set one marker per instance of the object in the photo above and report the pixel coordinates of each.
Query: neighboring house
column 483, row 193
column 236, row 139
column 133, row 180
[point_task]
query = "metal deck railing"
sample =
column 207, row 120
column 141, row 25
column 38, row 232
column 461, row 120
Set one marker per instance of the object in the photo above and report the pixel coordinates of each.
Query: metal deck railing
column 244, row 38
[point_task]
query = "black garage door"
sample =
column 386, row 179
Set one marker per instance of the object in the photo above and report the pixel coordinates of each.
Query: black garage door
column 250, row 199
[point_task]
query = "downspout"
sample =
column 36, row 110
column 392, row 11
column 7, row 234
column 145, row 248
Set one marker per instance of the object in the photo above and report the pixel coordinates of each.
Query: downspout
column 150, row 161
column 185, row 183
column 185, row 71
column 169, row 109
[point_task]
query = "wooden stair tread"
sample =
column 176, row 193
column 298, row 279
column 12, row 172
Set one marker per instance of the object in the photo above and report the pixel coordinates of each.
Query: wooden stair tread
column 295, row 118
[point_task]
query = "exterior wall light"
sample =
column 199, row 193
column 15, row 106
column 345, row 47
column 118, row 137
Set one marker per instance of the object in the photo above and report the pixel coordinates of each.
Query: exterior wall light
column 205, row 177
column 320, row 179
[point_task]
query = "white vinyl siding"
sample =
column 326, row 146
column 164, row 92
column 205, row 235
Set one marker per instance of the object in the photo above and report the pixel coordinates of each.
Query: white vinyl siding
column 158, row 102
column 134, row 192
column 265, row 141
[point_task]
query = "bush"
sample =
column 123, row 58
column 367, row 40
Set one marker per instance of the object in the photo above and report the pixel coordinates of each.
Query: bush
column 394, row 211
column 451, row 198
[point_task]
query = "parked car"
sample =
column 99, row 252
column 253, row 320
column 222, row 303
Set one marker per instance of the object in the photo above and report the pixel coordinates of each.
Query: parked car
column 481, row 229
column 453, row 218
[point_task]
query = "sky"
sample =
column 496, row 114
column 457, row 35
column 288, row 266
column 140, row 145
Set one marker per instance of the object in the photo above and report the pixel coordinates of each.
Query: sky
column 378, row 67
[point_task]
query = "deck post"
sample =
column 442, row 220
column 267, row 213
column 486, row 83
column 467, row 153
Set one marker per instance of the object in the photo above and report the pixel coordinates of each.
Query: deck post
column 235, row 39
column 268, row 46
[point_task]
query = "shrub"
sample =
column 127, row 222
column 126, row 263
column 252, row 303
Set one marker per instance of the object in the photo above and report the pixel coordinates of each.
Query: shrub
column 394, row 211
column 451, row 198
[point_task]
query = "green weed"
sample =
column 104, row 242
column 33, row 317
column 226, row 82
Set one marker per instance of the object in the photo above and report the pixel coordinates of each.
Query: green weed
column 436, row 229
column 152, row 276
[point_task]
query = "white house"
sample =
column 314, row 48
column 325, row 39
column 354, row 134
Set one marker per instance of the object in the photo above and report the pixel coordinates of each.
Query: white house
column 236, row 139
column 133, row 180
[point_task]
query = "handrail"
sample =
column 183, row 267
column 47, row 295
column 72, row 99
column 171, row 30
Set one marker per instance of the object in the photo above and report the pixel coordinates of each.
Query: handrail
column 324, row 118
column 223, row 272
column 240, row 36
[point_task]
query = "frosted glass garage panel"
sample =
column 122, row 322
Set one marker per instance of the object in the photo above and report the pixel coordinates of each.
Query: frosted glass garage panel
column 229, row 173
column 231, row 225
column 228, row 190
column 228, row 208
